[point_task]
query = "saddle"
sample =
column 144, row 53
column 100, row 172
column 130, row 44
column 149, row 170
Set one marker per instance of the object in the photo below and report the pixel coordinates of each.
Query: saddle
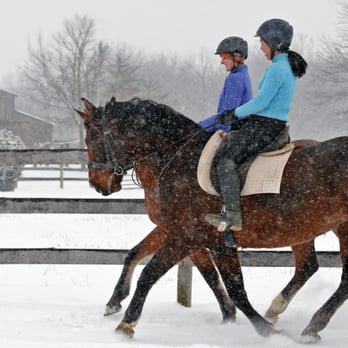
column 259, row 174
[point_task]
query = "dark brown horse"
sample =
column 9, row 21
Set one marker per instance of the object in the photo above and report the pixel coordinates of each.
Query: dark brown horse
column 306, row 263
column 155, row 139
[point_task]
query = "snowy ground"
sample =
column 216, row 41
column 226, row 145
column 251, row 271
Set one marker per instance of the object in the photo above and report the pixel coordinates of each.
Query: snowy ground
column 62, row 305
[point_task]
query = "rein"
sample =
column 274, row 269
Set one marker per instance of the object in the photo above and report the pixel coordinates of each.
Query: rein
column 111, row 161
column 189, row 138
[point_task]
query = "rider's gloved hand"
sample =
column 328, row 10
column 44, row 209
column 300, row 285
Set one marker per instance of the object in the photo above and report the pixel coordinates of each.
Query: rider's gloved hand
column 227, row 117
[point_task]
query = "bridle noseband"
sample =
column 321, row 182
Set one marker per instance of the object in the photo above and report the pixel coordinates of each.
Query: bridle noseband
column 116, row 169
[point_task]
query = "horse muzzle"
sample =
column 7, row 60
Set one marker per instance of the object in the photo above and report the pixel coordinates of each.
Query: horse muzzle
column 105, row 183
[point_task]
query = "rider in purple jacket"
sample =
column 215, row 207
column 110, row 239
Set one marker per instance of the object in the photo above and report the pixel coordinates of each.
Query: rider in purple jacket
column 237, row 87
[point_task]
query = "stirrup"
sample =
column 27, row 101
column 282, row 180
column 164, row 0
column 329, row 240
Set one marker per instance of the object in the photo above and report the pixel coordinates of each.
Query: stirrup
column 228, row 221
column 226, row 226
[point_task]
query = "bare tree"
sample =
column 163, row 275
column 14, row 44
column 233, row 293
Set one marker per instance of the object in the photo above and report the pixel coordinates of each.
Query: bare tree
column 123, row 73
column 188, row 85
column 155, row 78
column 208, row 77
column 58, row 73
column 327, row 80
column 332, row 68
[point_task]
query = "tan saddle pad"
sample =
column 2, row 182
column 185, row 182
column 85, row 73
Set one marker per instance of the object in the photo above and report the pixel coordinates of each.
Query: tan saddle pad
column 264, row 174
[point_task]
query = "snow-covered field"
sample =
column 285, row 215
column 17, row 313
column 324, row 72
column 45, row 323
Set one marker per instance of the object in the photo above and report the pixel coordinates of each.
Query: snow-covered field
column 62, row 305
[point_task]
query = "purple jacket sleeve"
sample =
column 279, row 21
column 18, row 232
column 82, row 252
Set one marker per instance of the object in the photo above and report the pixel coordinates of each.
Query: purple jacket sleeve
column 236, row 91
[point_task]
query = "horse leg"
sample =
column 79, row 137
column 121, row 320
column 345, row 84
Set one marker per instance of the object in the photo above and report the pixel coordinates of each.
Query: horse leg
column 149, row 245
column 229, row 266
column 322, row 317
column 306, row 264
column 206, row 267
column 164, row 259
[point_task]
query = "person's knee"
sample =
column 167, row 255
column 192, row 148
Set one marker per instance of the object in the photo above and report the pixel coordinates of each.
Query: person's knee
column 226, row 165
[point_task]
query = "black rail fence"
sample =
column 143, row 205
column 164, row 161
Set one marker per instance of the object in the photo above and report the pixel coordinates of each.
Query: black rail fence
column 31, row 205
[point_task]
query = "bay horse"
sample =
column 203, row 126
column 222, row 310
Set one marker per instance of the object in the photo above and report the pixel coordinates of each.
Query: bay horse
column 306, row 263
column 154, row 138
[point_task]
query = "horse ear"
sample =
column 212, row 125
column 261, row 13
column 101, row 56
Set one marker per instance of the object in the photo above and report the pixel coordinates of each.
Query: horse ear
column 82, row 114
column 89, row 107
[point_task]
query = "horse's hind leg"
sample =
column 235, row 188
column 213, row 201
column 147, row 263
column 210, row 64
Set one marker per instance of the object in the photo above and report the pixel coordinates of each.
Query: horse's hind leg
column 149, row 245
column 322, row 317
column 306, row 264
column 206, row 267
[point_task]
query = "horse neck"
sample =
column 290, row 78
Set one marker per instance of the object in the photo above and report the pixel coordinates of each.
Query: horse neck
column 148, row 172
column 152, row 166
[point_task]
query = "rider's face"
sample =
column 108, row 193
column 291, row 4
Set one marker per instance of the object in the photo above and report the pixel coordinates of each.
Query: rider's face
column 265, row 49
column 227, row 61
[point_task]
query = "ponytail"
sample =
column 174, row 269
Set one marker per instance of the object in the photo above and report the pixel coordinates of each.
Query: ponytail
column 297, row 63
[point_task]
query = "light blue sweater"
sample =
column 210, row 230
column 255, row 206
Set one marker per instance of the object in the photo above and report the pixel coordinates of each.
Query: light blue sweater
column 276, row 91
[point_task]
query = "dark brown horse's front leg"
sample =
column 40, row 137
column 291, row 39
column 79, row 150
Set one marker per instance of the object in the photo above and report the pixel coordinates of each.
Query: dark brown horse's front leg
column 306, row 264
column 231, row 273
column 206, row 267
column 161, row 262
column 148, row 246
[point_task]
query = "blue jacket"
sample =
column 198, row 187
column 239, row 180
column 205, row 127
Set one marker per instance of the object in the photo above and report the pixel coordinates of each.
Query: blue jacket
column 237, row 90
column 276, row 91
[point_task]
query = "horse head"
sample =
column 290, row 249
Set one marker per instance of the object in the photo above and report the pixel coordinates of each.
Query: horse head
column 122, row 135
column 103, row 167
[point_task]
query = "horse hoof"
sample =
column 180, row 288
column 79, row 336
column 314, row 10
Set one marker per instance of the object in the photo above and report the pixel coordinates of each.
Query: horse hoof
column 265, row 328
column 276, row 331
column 229, row 318
column 125, row 329
column 310, row 338
column 228, row 313
column 272, row 319
column 279, row 304
column 112, row 309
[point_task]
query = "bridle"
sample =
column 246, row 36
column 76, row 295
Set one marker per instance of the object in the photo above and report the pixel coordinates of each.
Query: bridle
column 111, row 162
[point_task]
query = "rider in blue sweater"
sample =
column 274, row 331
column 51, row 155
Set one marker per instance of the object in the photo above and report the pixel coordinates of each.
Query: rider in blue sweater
column 276, row 90
column 237, row 87
column 265, row 116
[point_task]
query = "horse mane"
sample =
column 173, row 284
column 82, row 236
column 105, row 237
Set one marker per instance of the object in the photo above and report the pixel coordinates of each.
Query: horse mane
column 156, row 118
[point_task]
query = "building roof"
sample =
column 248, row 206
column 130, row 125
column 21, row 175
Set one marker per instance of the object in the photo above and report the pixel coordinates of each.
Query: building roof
column 2, row 91
column 34, row 117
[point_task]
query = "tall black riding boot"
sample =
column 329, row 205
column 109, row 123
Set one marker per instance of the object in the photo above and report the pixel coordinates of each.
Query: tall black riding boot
column 229, row 183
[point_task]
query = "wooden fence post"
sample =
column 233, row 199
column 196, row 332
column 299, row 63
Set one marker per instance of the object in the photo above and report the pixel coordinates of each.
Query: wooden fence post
column 61, row 174
column 184, row 285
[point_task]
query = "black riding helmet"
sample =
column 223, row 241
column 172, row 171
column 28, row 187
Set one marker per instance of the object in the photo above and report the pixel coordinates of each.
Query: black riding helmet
column 277, row 33
column 232, row 45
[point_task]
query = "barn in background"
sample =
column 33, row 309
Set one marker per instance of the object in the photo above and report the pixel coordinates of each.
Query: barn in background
column 34, row 131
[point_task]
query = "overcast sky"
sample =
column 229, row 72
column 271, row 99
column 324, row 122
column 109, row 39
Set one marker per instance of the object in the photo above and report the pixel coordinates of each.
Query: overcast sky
column 170, row 26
